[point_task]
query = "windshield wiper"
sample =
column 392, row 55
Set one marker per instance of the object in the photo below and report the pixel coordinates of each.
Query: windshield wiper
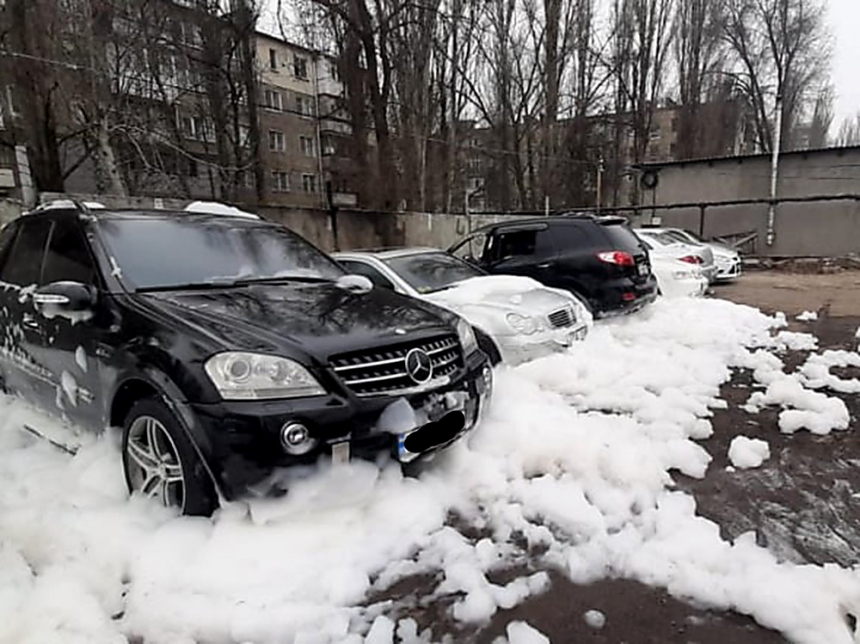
column 282, row 278
column 189, row 286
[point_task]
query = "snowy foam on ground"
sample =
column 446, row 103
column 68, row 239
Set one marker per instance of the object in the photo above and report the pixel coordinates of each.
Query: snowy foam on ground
column 807, row 316
column 745, row 452
column 575, row 458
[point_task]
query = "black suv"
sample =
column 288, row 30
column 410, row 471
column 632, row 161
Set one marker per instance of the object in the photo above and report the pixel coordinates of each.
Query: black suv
column 224, row 347
column 597, row 258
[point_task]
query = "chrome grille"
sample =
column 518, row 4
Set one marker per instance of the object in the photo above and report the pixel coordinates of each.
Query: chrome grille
column 383, row 370
column 561, row 318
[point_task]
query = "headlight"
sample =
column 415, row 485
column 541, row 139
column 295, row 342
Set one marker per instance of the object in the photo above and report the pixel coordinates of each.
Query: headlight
column 522, row 323
column 244, row 376
column 467, row 337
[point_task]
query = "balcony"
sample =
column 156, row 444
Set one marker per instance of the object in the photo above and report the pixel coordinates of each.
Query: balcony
column 330, row 87
column 336, row 126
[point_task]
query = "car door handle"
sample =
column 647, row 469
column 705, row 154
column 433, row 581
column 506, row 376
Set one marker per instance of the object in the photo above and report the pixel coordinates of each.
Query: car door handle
column 545, row 265
column 30, row 324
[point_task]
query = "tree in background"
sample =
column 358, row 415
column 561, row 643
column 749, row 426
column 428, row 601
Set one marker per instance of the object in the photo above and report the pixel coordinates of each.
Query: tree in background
column 780, row 48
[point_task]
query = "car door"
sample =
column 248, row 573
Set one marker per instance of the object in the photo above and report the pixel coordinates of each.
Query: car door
column 471, row 249
column 576, row 266
column 24, row 371
column 67, row 346
column 525, row 250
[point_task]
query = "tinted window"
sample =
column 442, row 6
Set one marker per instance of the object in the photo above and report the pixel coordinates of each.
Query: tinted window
column 7, row 238
column 621, row 238
column 68, row 257
column 572, row 237
column 368, row 271
column 163, row 253
column 25, row 259
column 527, row 242
column 430, row 272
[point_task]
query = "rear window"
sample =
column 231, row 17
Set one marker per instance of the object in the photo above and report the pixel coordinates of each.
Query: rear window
column 621, row 238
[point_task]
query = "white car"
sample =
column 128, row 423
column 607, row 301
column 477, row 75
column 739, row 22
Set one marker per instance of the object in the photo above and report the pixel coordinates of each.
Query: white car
column 675, row 278
column 727, row 260
column 516, row 318
column 669, row 246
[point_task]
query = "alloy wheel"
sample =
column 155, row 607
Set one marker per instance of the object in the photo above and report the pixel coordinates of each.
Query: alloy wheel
column 153, row 461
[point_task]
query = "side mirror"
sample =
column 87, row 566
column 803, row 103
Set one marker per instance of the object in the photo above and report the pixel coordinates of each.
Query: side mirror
column 65, row 296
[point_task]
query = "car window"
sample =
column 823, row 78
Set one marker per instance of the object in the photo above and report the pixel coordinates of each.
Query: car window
column 572, row 236
column 622, row 238
column 68, row 256
column 680, row 236
column 368, row 271
column 471, row 248
column 529, row 242
column 7, row 238
column 24, row 264
column 429, row 272
column 169, row 252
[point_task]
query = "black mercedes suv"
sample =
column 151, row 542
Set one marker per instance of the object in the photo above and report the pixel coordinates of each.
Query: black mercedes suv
column 597, row 258
column 225, row 348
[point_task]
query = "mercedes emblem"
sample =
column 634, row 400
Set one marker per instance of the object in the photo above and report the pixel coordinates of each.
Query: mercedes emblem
column 419, row 367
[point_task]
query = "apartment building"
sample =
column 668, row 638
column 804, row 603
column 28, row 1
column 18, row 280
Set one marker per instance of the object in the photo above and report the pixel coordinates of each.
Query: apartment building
column 304, row 129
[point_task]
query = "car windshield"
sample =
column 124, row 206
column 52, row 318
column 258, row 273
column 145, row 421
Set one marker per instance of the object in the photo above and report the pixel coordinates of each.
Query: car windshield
column 429, row 272
column 662, row 238
column 685, row 236
column 164, row 253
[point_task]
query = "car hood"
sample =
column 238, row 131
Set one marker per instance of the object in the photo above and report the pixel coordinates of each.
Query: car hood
column 320, row 319
column 500, row 292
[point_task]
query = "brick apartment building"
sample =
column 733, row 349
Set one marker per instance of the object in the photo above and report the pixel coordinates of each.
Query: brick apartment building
column 177, row 81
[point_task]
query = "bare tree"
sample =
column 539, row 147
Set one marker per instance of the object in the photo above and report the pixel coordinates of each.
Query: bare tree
column 781, row 50
column 849, row 132
column 822, row 119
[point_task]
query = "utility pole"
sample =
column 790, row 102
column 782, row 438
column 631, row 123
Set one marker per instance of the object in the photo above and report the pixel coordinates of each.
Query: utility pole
column 599, row 181
column 774, row 172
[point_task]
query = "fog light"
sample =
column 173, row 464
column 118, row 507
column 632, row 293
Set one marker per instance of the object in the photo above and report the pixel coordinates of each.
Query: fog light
column 296, row 439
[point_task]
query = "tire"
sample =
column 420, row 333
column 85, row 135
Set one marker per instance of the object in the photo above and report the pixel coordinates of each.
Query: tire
column 486, row 344
column 171, row 471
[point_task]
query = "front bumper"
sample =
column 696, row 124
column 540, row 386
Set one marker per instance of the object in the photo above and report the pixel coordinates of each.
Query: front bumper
column 728, row 270
column 241, row 440
column 517, row 349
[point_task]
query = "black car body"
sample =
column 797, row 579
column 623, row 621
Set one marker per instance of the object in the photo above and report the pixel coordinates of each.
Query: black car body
column 597, row 258
column 110, row 317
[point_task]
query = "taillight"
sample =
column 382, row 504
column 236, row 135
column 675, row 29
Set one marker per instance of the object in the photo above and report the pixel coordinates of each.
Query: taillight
column 617, row 257
column 691, row 259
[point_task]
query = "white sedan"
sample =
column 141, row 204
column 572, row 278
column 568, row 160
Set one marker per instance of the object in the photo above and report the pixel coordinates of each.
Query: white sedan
column 727, row 260
column 676, row 278
column 516, row 318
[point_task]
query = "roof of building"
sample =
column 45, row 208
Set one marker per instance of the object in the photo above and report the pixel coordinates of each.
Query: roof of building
column 839, row 151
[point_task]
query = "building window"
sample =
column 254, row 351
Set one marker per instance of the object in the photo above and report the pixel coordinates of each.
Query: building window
column 309, row 182
column 245, row 178
column 674, row 123
column 197, row 128
column 333, row 73
column 191, row 168
column 276, row 141
column 308, row 146
column 280, row 181
column 476, row 183
column 273, row 60
column 14, row 108
column 273, row 100
column 474, row 163
column 654, row 134
column 300, row 67
column 305, row 105
column 244, row 136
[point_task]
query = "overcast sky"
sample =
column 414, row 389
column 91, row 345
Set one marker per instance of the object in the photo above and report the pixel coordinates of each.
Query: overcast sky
column 844, row 17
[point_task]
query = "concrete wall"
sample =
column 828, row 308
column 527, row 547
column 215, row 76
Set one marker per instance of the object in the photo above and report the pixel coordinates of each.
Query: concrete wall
column 826, row 228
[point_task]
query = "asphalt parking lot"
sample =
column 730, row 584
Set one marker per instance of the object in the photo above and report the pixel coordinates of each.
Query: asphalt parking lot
column 803, row 503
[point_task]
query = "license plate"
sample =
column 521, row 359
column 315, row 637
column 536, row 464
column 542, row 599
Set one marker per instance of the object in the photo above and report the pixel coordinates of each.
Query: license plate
column 643, row 269
column 340, row 453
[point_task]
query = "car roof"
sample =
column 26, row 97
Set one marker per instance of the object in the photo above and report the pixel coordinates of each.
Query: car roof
column 389, row 253
column 560, row 219
column 140, row 213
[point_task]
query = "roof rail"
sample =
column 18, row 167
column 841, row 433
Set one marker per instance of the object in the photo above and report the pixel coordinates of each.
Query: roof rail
column 80, row 206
